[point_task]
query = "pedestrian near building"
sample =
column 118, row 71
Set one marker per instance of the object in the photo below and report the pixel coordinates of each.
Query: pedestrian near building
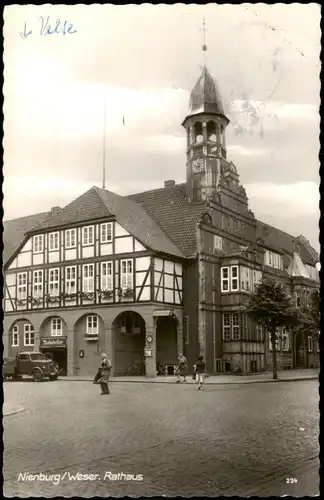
column 105, row 369
column 200, row 371
column 182, row 369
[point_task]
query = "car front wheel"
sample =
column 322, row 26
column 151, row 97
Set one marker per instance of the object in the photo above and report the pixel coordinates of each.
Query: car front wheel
column 37, row 376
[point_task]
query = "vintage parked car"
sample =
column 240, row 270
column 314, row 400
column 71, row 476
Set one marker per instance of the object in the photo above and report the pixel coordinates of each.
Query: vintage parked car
column 33, row 364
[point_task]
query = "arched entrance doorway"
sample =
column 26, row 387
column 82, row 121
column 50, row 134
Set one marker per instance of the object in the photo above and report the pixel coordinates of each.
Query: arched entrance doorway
column 89, row 341
column 166, row 344
column 53, row 341
column 129, row 342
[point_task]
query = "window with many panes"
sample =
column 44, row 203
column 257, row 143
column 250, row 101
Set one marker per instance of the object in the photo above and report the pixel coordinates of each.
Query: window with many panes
column 70, row 238
column 126, row 276
column 106, row 276
column 29, row 336
column 310, row 344
column 225, row 279
column 53, row 243
column 106, row 232
column 70, row 280
column 234, row 278
column 54, row 281
column 245, row 279
column 285, row 341
column 56, row 327
column 88, row 235
column 22, row 286
column 258, row 332
column 298, row 298
column 38, row 243
column 257, row 278
column 226, row 326
column 88, row 278
column 218, row 242
column 92, row 324
column 38, row 283
column 15, row 336
column 236, row 334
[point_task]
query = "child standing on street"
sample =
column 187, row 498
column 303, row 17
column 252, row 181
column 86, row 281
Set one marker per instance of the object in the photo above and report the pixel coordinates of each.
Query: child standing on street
column 200, row 371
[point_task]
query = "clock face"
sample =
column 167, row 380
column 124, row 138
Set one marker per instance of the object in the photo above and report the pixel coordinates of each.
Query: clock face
column 198, row 165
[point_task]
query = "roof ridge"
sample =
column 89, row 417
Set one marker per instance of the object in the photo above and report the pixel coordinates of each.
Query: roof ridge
column 25, row 216
column 154, row 190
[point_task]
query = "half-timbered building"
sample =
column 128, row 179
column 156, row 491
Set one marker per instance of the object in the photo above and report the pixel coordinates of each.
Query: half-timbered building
column 153, row 274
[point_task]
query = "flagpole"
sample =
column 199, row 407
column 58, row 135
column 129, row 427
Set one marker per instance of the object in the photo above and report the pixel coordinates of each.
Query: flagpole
column 104, row 144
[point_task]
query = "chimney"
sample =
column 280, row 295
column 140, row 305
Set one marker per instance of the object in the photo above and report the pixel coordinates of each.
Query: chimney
column 168, row 184
column 55, row 210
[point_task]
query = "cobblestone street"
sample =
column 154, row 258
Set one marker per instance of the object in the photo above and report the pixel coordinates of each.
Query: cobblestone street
column 226, row 440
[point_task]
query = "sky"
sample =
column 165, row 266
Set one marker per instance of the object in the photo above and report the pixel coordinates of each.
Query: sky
column 140, row 63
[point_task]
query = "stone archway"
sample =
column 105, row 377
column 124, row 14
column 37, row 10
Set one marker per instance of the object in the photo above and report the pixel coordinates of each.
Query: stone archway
column 89, row 341
column 167, row 343
column 53, row 343
column 21, row 336
column 128, row 330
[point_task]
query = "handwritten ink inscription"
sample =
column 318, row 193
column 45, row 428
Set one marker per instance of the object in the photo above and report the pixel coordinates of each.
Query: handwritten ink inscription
column 48, row 27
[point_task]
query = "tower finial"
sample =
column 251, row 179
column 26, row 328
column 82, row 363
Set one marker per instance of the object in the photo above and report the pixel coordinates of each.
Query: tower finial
column 204, row 47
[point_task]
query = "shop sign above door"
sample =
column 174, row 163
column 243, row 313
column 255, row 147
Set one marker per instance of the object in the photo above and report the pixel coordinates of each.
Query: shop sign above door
column 52, row 342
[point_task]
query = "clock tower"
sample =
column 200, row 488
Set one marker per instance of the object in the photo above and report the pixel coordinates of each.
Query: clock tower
column 206, row 147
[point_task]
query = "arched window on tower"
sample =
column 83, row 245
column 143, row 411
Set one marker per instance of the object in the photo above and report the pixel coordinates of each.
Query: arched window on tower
column 211, row 131
column 198, row 132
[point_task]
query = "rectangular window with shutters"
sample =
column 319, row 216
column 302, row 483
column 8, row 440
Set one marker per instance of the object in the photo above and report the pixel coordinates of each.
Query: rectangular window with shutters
column 106, row 276
column 70, row 280
column 88, row 278
column 226, row 326
column 53, row 241
column 22, row 286
column 54, row 282
column 106, row 232
column 126, row 277
column 234, row 278
column 88, row 235
column 236, row 334
column 38, row 284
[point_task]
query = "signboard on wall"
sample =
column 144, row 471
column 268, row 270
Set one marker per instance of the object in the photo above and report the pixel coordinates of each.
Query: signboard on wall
column 148, row 353
column 52, row 342
column 163, row 312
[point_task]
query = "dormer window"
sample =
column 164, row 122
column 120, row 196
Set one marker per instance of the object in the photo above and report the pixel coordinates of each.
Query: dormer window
column 273, row 259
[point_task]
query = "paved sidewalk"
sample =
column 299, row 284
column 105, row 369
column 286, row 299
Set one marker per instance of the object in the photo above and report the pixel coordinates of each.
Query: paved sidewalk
column 283, row 376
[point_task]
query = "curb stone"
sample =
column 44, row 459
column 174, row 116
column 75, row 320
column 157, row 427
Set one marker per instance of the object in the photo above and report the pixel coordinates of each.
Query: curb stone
column 153, row 381
column 13, row 412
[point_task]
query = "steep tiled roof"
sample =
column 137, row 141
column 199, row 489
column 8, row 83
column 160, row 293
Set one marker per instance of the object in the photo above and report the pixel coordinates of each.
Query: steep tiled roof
column 170, row 208
column 98, row 203
column 282, row 242
column 135, row 220
column 88, row 206
column 14, row 231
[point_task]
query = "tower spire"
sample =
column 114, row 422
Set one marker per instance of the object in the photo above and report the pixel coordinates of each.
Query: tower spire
column 204, row 47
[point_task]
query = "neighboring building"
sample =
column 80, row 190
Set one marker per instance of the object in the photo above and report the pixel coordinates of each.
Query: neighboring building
column 155, row 273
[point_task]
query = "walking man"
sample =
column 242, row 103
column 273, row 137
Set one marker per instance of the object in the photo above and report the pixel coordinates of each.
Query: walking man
column 200, row 371
column 105, row 369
